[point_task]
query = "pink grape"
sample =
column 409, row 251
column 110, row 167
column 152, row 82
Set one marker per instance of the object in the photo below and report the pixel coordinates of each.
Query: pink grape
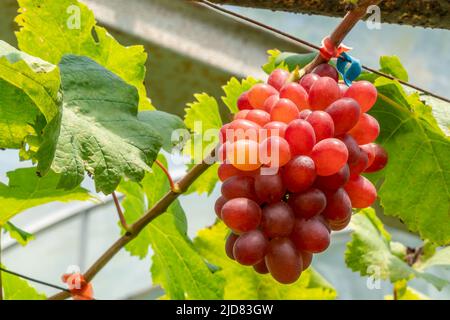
column 243, row 103
column 277, row 220
column 323, row 92
column 308, row 80
column 229, row 244
column 345, row 113
column 310, row 235
column 250, row 248
column 326, row 70
column 361, row 191
column 339, row 206
column 258, row 116
column 284, row 110
column 335, row 181
column 244, row 155
column 274, row 152
column 343, row 87
column 240, row 129
column 241, row 114
column 269, row 188
column 366, row 130
column 300, row 136
column 296, row 93
column 276, row 128
column 329, row 156
column 278, row 78
column 241, row 215
column 304, row 114
column 283, row 261
column 299, row 174
column 308, row 204
column 220, row 202
column 259, row 93
column 322, row 124
column 364, row 92
column 270, row 102
column 239, row 187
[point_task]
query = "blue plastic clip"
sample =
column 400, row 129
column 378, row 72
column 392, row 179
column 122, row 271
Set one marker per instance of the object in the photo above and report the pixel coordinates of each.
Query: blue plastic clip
column 352, row 72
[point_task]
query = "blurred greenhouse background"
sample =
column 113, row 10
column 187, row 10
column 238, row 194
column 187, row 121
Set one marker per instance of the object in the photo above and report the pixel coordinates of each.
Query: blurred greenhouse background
column 194, row 49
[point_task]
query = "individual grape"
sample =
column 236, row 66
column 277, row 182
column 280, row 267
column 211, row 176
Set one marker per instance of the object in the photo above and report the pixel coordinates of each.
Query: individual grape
column 283, row 261
column 306, row 259
column 308, row 204
column 329, row 156
column 243, row 103
column 326, row 70
column 345, row 113
column 323, row 92
column 261, row 267
column 358, row 167
column 335, row 181
column 270, row 102
column 258, row 116
column 241, row 215
column 278, row 78
column 364, row 92
column 222, row 151
column 242, row 114
column 274, row 152
column 366, row 130
column 259, row 93
column 304, row 114
column 220, row 202
column 310, row 235
column 269, row 188
column 284, row 110
column 275, row 128
column 240, row 129
column 226, row 171
column 343, row 87
column 380, row 159
column 300, row 136
column 352, row 147
column 239, row 187
column 244, row 155
column 308, row 80
column 229, row 244
column 370, row 150
column 339, row 206
column 250, row 248
column 361, row 191
column 299, row 174
column 339, row 225
column 277, row 220
column 322, row 124
column 296, row 93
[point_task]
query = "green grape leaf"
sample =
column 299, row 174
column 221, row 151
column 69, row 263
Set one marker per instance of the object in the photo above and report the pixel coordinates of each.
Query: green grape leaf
column 233, row 90
column 370, row 252
column 392, row 65
column 177, row 267
column 203, row 114
column 274, row 62
column 29, row 88
column 164, row 123
column 244, row 283
column 406, row 293
column 26, row 190
column 15, row 288
column 21, row 236
column 440, row 110
column 206, row 182
column 51, row 29
column 287, row 60
column 99, row 130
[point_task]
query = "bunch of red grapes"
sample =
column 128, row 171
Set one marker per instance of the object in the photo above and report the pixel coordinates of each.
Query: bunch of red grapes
column 292, row 160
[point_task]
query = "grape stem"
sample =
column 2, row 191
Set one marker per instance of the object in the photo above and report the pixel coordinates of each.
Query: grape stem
column 122, row 219
column 196, row 171
column 173, row 186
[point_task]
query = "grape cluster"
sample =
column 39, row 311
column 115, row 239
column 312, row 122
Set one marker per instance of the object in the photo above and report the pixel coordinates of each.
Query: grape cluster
column 317, row 138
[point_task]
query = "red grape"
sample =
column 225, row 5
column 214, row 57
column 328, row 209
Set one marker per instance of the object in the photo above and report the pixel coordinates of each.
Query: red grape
column 241, row 129
column 306, row 259
column 244, row 155
column 370, row 150
column 345, row 113
column 259, row 93
column 339, row 206
column 359, row 166
column 243, row 103
column 308, row 80
column 270, row 102
column 339, row 225
column 261, row 267
column 276, row 128
column 343, row 87
column 329, row 156
column 277, row 220
column 304, row 114
column 220, row 202
column 335, row 181
column 308, row 204
column 274, row 152
column 322, row 124
column 323, row 92
column 380, row 159
column 326, row 70
column 284, row 110
column 229, row 244
column 299, row 174
column 250, row 248
column 366, row 130
column 296, row 93
column 258, row 116
column 239, row 187
column 283, row 261
column 241, row 114
column 352, row 147
column 241, row 215
column 361, row 191
column 226, row 171
column 269, row 188
column 364, row 92
column 300, row 136
column 310, row 235
column 278, row 78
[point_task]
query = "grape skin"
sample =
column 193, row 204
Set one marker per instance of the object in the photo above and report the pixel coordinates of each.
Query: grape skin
column 308, row 80
column 329, row 156
column 283, row 261
column 284, row 110
column 300, row 136
column 277, row 220
column 259, row 93
column 239, row 187
column 366, row 130
column 220, row 202
column 345, row 113
column 339, row 206
column 335, row 181
column 299, row 174
column 229, row 244
column 310, row 235
column 323, row 92
column 297, row 94
column 361, row 192
column 278, row 78
column 322, row 124
column 269, row 188
column 326, row 70
column 308, row 204
column 250, row 248
column 241, row 215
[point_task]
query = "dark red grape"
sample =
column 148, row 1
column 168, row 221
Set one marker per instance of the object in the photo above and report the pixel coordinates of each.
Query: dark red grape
column 310, row 235
column 326, row 70
column 308, row 204
column 277, row 220
column 229, row 244
column 241, row 215
column 283, row 261
column 358, row 167
column 306, row 258
column 352, row 147
column 299, row 174
column 345, row 113
column 379, row 160
column 250, row 248
column 335, row 181
column 243, row 103
column 239, row 187
column 269, row 188
column 339, row 206
column 220, row 202
column 261, row 267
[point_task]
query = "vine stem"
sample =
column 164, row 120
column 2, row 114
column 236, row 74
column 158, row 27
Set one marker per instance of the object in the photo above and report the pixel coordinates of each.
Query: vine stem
column 349, row 21
column 122, row 219
column 173, row 186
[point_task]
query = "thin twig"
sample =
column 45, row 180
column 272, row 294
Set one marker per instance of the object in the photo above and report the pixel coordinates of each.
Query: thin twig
column 173, row 186
column 122, row 219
